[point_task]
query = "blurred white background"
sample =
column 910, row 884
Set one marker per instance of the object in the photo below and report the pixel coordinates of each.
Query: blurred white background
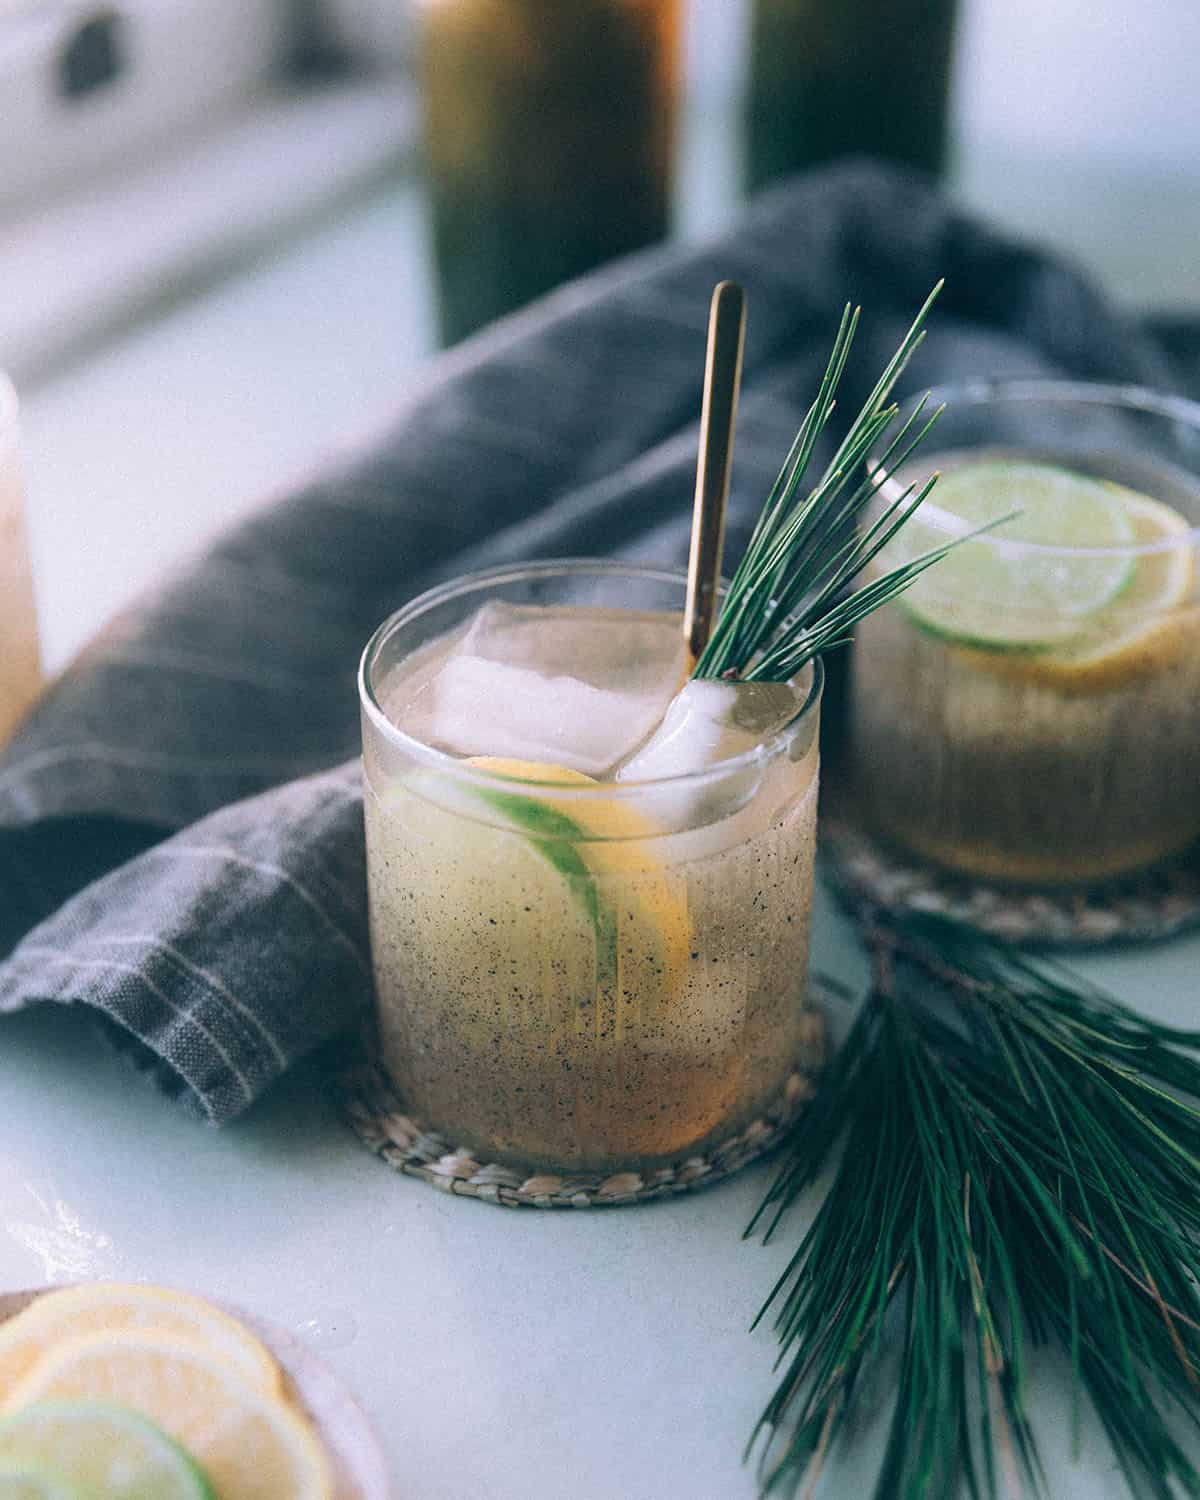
column 201, row 296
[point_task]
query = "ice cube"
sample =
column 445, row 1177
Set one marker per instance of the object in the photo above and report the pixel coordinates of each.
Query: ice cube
column 710, row 721
column 639, row 652
column 572, row 687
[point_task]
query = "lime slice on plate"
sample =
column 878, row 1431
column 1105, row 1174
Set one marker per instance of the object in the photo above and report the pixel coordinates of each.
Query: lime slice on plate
column 249, row 1444
column 94, row 1449
column 999, row 591
column 23, row 1481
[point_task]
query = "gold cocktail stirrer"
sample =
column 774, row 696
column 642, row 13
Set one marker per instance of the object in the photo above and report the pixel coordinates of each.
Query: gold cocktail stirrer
column 722, row 377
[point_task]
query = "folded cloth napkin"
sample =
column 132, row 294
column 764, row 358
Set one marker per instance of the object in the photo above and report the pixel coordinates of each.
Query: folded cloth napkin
column 180, row 822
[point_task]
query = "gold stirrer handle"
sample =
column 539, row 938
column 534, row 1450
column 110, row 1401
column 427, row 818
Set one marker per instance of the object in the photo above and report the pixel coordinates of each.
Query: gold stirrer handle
column 722, row 377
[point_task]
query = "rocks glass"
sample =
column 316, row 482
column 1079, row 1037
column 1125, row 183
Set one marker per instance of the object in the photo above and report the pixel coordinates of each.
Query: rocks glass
column 577, row 974
column 1042, row 726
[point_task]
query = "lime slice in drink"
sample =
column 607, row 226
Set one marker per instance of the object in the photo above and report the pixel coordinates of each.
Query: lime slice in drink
column 553, row 895
column 1149, row 627
column 94, row 1449
column 999, row 591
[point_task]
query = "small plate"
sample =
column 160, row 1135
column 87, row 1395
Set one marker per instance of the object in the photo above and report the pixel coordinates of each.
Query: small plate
column 359, row 1470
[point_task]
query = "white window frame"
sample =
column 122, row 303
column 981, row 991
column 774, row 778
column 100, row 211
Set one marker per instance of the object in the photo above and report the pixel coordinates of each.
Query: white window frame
column 202, row 153
column 184, row 62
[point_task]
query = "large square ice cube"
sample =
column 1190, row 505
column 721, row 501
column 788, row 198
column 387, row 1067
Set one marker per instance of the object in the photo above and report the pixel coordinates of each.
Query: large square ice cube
column 572, row 687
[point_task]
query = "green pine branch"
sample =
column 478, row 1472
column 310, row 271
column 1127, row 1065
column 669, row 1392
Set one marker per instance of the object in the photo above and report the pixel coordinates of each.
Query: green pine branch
column 802, row 582
column 1017, row 1164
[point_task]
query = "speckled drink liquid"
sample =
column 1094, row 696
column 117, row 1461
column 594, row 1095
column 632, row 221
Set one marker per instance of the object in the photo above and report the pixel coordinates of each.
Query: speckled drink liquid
column 497, row 1022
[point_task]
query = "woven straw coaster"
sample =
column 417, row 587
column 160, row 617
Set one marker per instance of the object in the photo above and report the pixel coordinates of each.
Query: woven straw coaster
column 376, row 1113
column 1156, row 904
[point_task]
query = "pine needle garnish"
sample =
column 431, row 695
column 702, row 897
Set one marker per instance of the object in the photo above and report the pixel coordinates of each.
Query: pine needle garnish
column 791, row 596
column 1017, row 1164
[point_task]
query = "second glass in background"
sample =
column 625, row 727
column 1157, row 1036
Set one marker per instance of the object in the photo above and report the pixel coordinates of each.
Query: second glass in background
column 577, row 974
column 1031, row 714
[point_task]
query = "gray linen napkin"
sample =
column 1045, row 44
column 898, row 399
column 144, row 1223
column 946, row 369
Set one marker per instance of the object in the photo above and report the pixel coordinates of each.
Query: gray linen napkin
column 180, row 823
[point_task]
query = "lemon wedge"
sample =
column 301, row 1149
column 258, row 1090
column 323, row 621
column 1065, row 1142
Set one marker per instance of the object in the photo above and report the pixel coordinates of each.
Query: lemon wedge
column 576, row 875
column 105, row 1306
column 65, row 1450
column 249, row 1444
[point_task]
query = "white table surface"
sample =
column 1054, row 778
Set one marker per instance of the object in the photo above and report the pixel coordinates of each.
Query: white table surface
column 501, row 1355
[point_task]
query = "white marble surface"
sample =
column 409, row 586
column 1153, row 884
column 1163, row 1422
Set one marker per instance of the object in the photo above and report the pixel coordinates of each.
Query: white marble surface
column 501, row 1355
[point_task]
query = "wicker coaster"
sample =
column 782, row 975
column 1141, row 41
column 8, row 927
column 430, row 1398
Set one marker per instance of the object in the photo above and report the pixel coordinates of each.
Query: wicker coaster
column 376, row 1113
column 1155, row 904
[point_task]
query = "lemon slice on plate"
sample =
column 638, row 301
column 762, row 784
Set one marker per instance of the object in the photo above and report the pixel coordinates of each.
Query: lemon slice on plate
column 575, row 876
column 1000, row 592
column 74, row 1449
column 250, row 1445
column 104, row 1306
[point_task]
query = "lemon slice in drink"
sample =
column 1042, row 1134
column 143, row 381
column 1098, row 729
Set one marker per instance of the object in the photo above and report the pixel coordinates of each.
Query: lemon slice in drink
column 92, row 1449
column 107, row 1305
column 577, row 879
column 250, row 1445
column 1148, row 627
column 999, row 592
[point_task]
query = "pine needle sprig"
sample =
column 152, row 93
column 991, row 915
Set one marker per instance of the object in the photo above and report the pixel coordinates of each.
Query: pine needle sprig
column 1015, row 1162
column 790, row 597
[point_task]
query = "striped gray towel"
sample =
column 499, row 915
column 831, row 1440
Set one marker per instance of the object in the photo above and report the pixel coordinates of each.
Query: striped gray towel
column 180, row 824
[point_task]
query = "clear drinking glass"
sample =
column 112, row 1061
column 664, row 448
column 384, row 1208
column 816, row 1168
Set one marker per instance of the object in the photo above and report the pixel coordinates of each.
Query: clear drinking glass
column 1065, row 745
column 20, row 666
column 583, row 976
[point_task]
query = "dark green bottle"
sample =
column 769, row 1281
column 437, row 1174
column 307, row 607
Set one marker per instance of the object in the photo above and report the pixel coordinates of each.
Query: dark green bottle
column 549, row 131
column 833, row 78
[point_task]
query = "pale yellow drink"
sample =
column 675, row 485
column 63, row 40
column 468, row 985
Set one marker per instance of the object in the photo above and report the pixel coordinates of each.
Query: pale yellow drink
column 1029, row 712
column 587, row 974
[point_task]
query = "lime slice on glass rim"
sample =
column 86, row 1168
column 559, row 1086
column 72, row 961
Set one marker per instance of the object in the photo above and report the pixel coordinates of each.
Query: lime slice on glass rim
column 1037, row 579
column 1147, row 629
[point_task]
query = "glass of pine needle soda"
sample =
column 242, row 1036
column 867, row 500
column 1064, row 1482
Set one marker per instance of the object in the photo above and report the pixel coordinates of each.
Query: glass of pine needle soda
column 1029, row 710
column 590, row 880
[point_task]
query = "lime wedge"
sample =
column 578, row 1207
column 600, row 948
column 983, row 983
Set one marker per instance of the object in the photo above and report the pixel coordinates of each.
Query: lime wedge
column 574, row 879
column 999, row 591
column 99, row 1449
column 21, row 1481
